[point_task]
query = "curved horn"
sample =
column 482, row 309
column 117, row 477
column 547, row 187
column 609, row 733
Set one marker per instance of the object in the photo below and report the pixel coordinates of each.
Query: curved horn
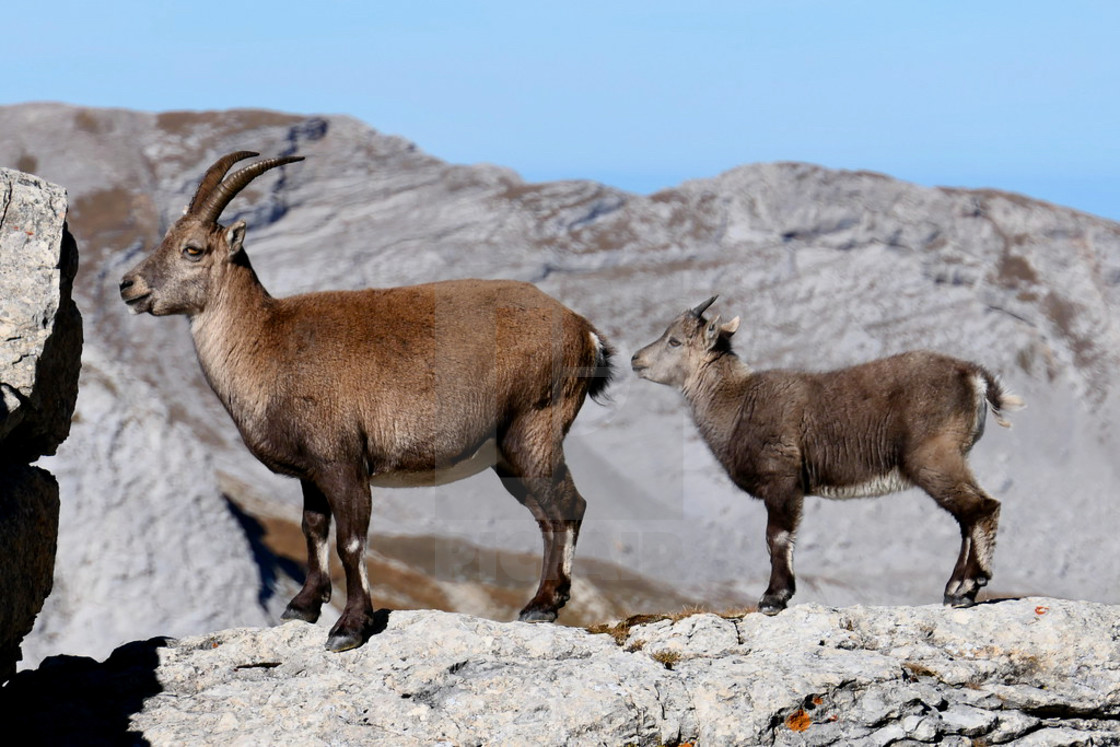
column 699, row 310
column 218, row 199
column 213, row 177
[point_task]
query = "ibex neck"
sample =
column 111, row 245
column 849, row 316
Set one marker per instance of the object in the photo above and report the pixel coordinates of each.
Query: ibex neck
column 715, row 394
column 231, row 340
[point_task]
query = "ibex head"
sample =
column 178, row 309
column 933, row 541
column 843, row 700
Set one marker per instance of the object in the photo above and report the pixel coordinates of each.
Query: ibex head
column 180, row 276
column 683, row 347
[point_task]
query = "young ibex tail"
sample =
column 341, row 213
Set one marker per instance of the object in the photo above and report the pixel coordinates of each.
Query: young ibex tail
column 396, row 386
column 908, row 420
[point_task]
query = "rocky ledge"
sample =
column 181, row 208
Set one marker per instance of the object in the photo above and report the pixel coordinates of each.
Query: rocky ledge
column 1026, row 671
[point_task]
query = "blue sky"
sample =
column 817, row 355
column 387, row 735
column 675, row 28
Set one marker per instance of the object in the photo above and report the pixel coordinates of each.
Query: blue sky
column 1020, row 96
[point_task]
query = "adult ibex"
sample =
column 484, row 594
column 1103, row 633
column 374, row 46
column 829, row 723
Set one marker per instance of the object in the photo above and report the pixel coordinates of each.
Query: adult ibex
column 867, row 430
column 412, row 385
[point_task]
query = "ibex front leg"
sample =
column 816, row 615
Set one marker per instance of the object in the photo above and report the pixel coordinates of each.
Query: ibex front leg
column 347, row 491
column 783, row 513
column 308, row 603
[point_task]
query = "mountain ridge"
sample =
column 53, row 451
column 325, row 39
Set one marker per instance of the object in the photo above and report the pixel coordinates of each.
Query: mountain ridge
column 827, row 268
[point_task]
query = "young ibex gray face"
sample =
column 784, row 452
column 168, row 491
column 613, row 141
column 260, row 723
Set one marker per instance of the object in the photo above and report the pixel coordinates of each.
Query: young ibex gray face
column 417, row 385
column 684, row 348
column 899, row 422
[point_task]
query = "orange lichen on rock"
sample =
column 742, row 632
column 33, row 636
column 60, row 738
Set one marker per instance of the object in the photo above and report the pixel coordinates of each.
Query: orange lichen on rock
column 798, row 721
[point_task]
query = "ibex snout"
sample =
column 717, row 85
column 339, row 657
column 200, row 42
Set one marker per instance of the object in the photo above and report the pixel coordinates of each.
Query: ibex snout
column 135, row 292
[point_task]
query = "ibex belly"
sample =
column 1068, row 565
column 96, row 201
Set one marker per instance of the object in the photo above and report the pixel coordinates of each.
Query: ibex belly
column 881, row 484
column 483, row 458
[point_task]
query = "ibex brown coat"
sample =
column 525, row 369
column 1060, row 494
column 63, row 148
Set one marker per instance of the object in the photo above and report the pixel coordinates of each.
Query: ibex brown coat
column 396, row 386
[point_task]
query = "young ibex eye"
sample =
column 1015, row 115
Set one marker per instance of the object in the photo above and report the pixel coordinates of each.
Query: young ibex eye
column 193, row 253
column 674, row 342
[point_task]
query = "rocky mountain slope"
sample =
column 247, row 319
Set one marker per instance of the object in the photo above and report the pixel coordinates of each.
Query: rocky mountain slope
column 1025, row 672
column 827, row 268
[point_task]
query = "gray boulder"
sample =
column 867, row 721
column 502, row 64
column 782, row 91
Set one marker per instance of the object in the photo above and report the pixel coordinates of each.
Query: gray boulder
column 28, row 535
column 40, row 354
column 1030, row 672
column 40, row 327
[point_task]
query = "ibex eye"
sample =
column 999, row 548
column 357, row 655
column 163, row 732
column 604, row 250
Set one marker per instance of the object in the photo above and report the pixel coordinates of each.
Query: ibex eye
column 674, row 342
column 192, row 252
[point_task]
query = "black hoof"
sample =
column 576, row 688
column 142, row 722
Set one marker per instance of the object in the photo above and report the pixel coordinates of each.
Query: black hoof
column 771, row 604
column 537, row 616
column 339, row 642
column 349, row 634
column 291, row 613
column 959, row 602
column 963, row 594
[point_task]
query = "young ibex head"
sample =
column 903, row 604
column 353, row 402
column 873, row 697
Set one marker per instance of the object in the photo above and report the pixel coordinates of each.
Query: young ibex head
column 180, row 275
column 689, row 342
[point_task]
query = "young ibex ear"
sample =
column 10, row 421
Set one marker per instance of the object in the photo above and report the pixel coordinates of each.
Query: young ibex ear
column 235, row 236
column 714, row 330
column 711, row 331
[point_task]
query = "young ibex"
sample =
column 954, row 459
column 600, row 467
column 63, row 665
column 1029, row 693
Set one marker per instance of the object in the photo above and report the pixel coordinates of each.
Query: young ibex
column 412, row 385
column 867, row 430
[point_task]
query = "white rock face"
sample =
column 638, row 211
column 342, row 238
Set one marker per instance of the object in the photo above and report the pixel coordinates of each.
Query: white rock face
column 826, row 268
column 1029, row 671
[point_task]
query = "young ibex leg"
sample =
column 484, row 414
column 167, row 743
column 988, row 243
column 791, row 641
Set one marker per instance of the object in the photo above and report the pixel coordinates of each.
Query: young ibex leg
column 947, row 479
column 316, row 590
column 544, row 485
column 978, row 515
column 783, row 513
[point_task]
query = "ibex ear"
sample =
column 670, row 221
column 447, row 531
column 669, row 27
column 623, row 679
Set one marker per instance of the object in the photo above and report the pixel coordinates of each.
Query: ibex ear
column 714, row 330
column 711, row 331
column 235, row 237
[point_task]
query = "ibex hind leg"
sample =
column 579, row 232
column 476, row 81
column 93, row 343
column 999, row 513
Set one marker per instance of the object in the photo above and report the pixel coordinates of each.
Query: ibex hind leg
column 540, row 480
column 973, row 569
column 945, row 476
column 558, row 509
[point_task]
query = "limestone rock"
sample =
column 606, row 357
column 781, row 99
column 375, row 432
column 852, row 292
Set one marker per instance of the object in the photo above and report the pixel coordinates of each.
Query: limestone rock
column 28, row 533
column 40, row 327
column 1027, row 671
column 40, row 354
